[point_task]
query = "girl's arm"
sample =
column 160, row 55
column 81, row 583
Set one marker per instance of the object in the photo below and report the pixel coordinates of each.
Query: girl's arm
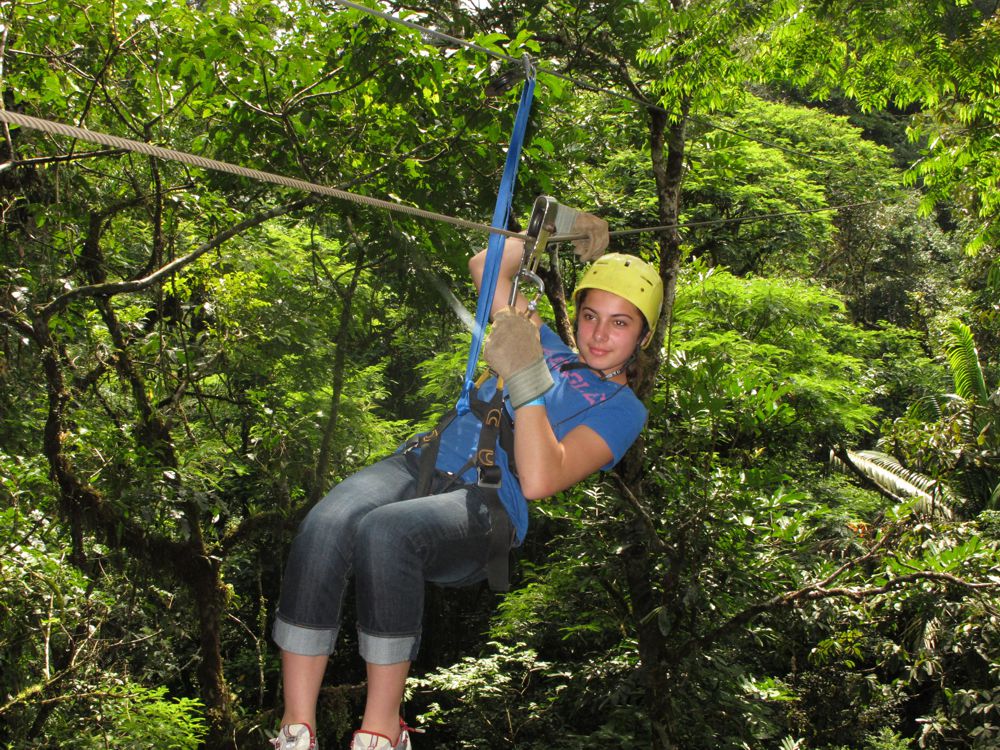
column 510, row 262
column 546, row 465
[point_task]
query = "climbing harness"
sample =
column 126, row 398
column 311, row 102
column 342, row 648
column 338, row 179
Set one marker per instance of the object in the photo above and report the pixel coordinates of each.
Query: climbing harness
column 497, row 430
column 497, row 425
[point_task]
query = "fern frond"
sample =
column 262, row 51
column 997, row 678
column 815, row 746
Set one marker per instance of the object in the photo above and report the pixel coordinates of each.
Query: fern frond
column 929, row 495
column 993, row 277
column 927, row 408
column 960, row 348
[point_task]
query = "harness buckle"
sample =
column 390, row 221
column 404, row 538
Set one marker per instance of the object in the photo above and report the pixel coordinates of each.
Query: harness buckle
column 489, row 477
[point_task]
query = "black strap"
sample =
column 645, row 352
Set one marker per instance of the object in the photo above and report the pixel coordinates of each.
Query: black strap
column 501, row 540
column 428, row 443
column 498, row 428
column 490, row 415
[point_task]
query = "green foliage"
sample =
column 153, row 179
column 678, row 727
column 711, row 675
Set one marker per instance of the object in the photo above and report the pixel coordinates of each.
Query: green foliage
column 137, row 718
column 952, row 438
column 960, row 348
column 940, row 59
column 887, row 739
column 295, row 340
column 509, row 697
column 780, row 350
column 787, row 163
column 918, row 641
column 61, row 644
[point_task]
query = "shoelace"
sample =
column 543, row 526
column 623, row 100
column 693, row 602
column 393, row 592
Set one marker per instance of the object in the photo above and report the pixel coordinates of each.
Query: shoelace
column 285, row 738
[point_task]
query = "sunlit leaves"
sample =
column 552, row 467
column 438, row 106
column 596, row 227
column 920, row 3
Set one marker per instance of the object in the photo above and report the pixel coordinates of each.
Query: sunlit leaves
column 940, row 58
column 960, row 348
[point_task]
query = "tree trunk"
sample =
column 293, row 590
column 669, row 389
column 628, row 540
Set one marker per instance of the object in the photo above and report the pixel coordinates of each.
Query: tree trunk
column 209, row 591
column 555, row 290
column 667, row 143
column 343, row 332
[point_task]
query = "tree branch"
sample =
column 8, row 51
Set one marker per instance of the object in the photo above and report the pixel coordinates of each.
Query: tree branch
column 40, row 160
column 818, row 591
column 124, row 287
column 644, row 518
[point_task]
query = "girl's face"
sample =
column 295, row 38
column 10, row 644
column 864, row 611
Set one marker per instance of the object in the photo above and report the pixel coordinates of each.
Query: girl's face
column 608, row 328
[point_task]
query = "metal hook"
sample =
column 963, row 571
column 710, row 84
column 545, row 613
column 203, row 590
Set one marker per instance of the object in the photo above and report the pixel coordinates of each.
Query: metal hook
column 540, row 226
column 535, row 279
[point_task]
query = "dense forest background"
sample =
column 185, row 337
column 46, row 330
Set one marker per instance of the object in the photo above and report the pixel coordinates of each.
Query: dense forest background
column 803, row 552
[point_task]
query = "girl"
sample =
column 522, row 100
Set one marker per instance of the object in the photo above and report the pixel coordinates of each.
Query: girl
column 574, row 415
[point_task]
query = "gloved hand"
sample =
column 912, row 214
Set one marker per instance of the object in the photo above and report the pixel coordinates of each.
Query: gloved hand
column 571, row 221
column 513, row 350
column 596, row 243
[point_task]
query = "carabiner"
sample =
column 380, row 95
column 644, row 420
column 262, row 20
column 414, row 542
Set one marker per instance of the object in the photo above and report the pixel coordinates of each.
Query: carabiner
column 535, row 279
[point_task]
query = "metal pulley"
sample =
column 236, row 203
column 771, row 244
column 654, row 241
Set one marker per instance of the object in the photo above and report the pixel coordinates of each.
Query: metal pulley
column 548, row 219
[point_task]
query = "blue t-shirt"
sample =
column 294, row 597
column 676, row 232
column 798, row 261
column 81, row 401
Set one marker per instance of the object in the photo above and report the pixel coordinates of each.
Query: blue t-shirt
column 579, row 397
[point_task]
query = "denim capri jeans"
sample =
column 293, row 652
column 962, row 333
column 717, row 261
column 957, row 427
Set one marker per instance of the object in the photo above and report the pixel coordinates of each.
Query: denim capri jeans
column 372, row 528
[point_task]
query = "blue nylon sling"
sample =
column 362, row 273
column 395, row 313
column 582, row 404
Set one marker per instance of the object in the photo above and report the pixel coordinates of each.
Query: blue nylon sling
column 494, row 251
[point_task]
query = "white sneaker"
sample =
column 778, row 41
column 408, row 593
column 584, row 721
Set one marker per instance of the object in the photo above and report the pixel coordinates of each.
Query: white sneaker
column 375, row 741
column 295, row 737
column 371, row 741
column 403, row 743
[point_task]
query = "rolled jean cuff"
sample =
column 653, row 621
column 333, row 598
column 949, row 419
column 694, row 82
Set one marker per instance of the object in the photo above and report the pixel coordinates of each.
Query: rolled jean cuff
column 297, row 639
column 381, row 649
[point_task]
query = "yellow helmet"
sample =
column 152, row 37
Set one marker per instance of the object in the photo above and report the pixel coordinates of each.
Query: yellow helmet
column 631, row 278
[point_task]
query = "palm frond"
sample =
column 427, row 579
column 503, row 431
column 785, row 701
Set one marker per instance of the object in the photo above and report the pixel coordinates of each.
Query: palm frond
column 929, row 495
column 960, row 348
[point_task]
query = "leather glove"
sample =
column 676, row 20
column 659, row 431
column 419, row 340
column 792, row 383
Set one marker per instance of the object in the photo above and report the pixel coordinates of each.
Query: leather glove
column 571, row 221
column 513, row 350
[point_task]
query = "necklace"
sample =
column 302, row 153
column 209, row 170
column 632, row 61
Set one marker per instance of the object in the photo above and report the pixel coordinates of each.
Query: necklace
column 581, row 365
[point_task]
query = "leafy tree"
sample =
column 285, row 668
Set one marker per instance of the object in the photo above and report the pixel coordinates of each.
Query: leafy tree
column 937, row 59
column 196, row 356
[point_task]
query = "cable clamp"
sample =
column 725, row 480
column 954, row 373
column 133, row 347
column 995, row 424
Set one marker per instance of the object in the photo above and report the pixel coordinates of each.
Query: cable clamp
column 530, row 71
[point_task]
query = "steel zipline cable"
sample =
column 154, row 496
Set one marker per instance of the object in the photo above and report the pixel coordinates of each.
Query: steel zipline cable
column 113, row 141
column 148, row 149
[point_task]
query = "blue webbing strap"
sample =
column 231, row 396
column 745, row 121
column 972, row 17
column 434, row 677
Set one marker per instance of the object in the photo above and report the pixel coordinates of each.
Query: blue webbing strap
column 494, row 251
